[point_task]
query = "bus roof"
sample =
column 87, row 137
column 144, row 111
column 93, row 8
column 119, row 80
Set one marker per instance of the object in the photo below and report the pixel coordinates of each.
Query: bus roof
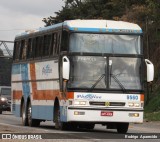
column 102, row 26
column 91, row 26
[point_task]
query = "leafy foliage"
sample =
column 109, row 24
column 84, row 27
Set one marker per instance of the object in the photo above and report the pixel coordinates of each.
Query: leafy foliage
column 129, row 10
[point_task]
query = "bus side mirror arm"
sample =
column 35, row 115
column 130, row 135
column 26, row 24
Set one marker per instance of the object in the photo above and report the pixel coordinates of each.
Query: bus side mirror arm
column 65, row 67
column 150, row 70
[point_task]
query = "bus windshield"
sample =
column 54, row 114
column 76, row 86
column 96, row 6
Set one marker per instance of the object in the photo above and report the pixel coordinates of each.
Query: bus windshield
column 105, row 43
column 124, row 73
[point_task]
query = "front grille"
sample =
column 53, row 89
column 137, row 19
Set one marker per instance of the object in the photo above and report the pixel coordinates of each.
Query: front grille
column 97, row 103
column 110, row 103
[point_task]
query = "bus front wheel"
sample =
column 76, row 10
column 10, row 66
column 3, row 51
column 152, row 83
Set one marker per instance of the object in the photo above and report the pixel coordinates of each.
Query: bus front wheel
column 122, row 127
column 89, row 126
column 58, row 124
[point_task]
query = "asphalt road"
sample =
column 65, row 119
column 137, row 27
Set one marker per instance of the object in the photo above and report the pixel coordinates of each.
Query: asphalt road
column 11, row 124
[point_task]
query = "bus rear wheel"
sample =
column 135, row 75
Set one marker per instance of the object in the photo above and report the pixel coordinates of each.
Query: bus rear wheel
column 24, row 116
column 0, row 111
column 31, row 122
column 122, row 127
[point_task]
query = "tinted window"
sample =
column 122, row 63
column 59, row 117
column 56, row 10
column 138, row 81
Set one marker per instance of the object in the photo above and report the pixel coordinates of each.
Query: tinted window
column 23, row 49
column 58, row 44
column 47, row 44
column 30, row 49
column 39, row 46
column 16, row 50
column 65, row 39
column 105, row 43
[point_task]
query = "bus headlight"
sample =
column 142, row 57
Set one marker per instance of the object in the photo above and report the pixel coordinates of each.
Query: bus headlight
column 80, row 102
column 132, row 104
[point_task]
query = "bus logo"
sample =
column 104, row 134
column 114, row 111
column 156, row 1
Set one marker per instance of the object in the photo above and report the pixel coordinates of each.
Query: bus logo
column 107, row 103
column 46, row 70
column 88, row 96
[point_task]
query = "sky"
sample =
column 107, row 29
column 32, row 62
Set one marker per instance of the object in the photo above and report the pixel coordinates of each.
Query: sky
column 16, row 16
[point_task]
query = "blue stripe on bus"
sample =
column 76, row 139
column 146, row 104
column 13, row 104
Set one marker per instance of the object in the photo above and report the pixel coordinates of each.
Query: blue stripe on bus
column 87, row 29
column 42, row 112
column 16, row 69
column 16, row 111
column 46, row 113
column 25, row 85
column 104, row 30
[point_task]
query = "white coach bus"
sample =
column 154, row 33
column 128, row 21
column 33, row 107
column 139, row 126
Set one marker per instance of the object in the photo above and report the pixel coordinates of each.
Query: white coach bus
column 80, row 73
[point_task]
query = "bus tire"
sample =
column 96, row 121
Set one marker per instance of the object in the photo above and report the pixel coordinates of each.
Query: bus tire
column 122, row 127
column 58, row 124
column 90, row 126
column 24, row 115
column 0, row 111
column 31, row 122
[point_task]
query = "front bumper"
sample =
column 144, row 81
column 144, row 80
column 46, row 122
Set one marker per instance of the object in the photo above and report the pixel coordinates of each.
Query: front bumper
column 95, row 115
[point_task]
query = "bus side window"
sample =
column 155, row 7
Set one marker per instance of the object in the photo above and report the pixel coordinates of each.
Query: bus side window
column 30, row 49
column 23, row 49
column 34, row 44
column 47, row 44
column 38, row 48
column 65, row 41
column 16, row 50
column 54, row 43
column 58, row 44
column 41, row 40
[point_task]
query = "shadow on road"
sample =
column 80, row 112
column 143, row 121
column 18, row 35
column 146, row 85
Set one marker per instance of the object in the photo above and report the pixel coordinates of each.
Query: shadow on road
column 79, row 130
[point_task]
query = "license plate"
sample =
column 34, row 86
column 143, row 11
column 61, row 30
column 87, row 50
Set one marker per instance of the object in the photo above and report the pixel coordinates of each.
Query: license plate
column 106, row 113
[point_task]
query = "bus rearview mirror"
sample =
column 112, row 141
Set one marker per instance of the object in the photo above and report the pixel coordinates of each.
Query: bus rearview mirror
column 150, row 70
column 66, row 67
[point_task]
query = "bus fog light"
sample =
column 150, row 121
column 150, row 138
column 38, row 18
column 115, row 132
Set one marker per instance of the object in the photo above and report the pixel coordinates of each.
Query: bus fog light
column 79, row 113
column 79, row 102
column 133, row 114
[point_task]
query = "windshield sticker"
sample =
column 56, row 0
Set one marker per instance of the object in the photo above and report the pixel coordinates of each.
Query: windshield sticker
column 88, row 59
column 46, row 70
column 88, row 96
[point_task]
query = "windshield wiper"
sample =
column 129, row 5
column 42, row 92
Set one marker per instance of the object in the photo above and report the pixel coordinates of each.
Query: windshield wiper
column 119, row 83
column 98, row 80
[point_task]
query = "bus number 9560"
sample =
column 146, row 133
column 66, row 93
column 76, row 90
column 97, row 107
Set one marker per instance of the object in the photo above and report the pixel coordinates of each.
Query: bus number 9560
column 132, row 97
